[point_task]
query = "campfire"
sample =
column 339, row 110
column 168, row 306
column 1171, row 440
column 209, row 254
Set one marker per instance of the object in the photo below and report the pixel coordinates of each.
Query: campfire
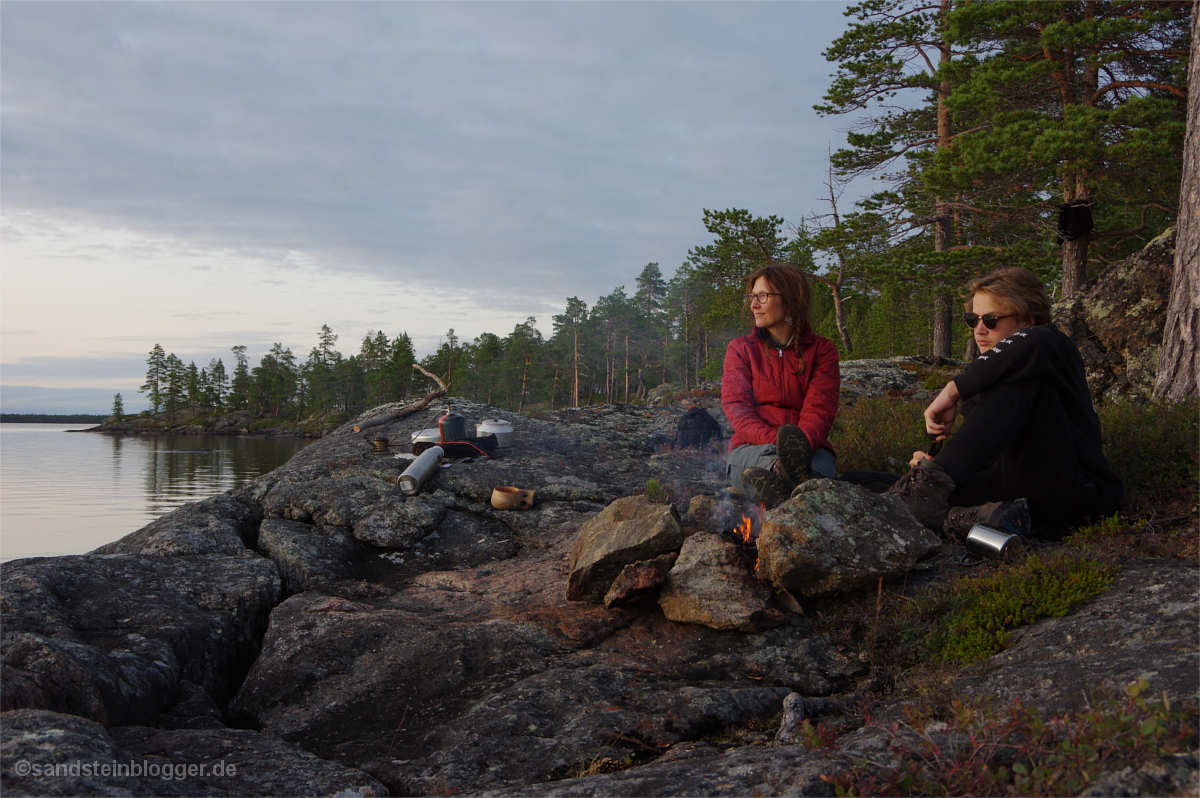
column 745, row 534
column 745, row 531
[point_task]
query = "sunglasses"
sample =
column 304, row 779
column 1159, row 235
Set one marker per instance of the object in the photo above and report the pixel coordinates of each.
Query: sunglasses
column 990, row 320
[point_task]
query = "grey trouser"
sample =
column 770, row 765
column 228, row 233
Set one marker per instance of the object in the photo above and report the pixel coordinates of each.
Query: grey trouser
column 763, row 456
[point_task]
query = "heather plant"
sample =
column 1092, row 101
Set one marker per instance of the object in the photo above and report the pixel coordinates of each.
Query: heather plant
column 983, row 750
column 1114, row 538
column 983, row 611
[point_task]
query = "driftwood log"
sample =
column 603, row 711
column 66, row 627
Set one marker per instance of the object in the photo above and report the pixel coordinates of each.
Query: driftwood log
column 409, row 409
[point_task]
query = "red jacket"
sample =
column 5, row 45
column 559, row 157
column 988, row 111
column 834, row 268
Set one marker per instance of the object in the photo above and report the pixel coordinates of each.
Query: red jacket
column 760, row 391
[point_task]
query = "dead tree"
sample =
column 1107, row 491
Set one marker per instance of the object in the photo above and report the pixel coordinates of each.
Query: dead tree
column 408, row 410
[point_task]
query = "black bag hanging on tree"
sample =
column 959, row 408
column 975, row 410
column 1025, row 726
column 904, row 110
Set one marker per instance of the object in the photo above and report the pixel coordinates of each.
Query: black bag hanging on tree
column 1074, row 220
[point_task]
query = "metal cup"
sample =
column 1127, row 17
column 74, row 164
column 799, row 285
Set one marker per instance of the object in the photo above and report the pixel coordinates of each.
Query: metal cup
column 989, row 542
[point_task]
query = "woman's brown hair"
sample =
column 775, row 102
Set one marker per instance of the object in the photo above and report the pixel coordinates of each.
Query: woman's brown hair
column 791, row 283
column 795, row 294
column 1017, row 290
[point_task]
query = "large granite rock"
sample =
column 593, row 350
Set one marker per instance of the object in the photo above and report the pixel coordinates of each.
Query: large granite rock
column 560, row 720
column 489, row 675
column 309, row 556
column 832, row 537
column 1117, row 321
column 113, row 637
column 216, row 525
column 1144, row 626
column 629, row 530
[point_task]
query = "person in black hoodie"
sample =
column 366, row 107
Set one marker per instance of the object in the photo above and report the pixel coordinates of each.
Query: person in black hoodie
column 1027, row 457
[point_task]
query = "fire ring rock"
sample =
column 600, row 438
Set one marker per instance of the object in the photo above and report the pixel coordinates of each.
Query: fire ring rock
column 831, row 537
column 629, row 530
column 711, row 584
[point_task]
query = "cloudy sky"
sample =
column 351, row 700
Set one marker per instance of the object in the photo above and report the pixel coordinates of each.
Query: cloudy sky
column 202, row 175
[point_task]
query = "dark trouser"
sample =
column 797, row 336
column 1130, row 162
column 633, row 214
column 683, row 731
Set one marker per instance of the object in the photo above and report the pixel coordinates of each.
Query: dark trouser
column 1017, row 442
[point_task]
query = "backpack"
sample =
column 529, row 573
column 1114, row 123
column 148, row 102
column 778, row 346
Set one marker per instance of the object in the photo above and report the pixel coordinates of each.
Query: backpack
column 696, row 428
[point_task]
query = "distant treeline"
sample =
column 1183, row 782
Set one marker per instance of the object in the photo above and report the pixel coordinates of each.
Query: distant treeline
column 666, row 331
column 45, row 418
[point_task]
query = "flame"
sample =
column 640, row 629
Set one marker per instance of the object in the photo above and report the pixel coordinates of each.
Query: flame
column 745, row 529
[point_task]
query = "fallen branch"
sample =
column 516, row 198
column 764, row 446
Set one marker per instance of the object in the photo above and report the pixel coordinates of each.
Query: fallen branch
column 410, row 409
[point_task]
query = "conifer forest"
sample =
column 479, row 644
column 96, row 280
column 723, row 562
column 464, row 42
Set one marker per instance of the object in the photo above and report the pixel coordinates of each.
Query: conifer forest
column 1042, row 134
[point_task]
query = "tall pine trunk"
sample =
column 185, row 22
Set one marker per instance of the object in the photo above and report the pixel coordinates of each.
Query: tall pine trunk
column 1176, row 377
column 942, row 312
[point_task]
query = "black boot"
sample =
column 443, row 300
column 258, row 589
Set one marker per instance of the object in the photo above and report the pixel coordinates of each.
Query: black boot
column 1011, row 517
column 795, row 455
column 926, row 490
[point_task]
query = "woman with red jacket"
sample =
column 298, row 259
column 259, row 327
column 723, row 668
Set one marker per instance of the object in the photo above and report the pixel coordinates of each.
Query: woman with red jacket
column 779, row 390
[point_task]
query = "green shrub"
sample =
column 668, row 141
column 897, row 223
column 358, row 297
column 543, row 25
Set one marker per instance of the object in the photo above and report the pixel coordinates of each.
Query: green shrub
column 656, row 493
column 1153, row 448
column 985, row 609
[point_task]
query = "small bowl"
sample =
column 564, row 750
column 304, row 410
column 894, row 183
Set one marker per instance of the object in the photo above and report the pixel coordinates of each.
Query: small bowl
column 507, row 498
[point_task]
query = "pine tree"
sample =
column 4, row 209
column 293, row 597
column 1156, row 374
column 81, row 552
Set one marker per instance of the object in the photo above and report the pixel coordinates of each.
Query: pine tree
column 156, row 378
column 570, row 338
column 400, row 368
column 175, row 387
column 239, row 386
column 523, row 359
column 118, row 410
column 898, row 46
column 218, row 382
column 1077, row 108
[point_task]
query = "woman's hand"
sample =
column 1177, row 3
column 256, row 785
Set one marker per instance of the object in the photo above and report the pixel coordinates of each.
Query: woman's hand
column 918, row 457
column 940, row 414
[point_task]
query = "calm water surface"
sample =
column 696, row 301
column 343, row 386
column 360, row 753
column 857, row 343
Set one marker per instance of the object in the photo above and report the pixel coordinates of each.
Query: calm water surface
column 67, row 493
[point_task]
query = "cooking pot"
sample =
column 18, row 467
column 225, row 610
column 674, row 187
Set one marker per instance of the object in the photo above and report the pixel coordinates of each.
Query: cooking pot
column 505, row 437
column 453, row 427
column 427, row 436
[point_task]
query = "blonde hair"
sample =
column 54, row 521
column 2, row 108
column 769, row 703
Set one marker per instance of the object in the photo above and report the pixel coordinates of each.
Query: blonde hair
column 1016, row 290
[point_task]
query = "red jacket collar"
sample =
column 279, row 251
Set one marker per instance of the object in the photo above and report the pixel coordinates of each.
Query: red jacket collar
column 803, row 339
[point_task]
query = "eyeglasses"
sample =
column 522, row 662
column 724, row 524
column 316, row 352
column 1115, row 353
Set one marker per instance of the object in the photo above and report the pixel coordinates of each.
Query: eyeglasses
column 761, row 296
column 990, row 320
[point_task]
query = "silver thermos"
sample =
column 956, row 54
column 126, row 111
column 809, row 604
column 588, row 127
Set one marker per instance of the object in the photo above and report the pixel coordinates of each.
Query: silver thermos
column 421, row 470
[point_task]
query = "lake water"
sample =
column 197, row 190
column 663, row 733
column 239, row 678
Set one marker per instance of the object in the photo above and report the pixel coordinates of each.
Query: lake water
column 67, row 493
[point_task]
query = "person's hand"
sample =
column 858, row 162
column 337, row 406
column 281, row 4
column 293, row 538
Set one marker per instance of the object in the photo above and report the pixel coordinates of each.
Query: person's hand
column 918, row 457
column 939, row 416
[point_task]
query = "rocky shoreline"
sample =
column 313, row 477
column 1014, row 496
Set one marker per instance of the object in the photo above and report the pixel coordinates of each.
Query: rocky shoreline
column 324, row 634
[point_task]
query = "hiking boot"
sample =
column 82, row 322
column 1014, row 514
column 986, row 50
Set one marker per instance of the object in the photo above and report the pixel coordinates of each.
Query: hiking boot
column 1011, row 517
column 926, row 490
column 794, row 453
column 764, row 487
